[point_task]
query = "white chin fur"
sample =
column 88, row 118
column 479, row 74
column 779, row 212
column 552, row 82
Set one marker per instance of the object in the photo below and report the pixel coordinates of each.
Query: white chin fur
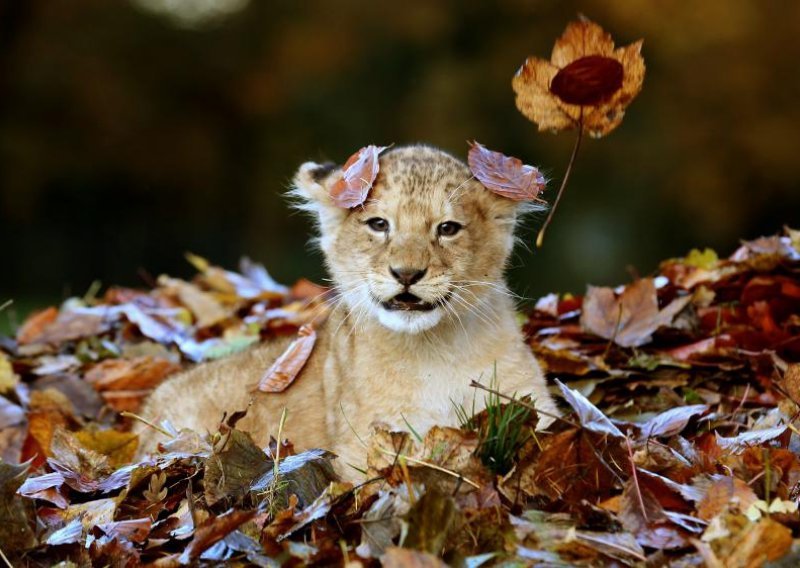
column 408, row 322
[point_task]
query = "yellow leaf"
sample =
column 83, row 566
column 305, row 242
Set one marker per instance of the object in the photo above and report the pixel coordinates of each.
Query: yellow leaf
column 119, row 447
column 8, row 378
column 706, row 259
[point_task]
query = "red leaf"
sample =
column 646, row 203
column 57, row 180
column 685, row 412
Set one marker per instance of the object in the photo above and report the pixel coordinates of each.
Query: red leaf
column 590, row 80
column 505, row 175
column 286, row 368
column 358, row 175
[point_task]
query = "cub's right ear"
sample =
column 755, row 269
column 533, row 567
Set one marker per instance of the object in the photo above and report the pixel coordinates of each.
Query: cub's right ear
column 311, row 192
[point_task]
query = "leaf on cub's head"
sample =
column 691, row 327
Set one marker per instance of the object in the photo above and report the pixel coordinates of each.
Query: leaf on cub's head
column 505, row 175
column 286, row 368
column 358, row 175
column 587, row 83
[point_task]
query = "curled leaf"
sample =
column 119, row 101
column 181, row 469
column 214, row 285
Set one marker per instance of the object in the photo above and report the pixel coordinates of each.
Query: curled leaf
column 286, row 368
column 505, row 175
column 358, row 175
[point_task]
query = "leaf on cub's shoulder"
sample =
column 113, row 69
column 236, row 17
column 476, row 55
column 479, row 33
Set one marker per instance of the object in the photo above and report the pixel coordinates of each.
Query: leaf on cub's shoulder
column 505, row 175
column 285, row 369
column 358, row 175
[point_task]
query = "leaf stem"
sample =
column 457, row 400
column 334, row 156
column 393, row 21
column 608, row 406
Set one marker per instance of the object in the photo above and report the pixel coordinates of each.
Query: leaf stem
column 575, row 148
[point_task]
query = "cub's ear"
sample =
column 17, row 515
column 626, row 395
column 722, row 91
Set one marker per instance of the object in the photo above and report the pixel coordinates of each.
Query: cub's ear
column 310, row 192
column 312, row 181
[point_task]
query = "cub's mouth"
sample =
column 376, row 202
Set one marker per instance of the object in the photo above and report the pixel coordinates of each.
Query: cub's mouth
column 407, row 302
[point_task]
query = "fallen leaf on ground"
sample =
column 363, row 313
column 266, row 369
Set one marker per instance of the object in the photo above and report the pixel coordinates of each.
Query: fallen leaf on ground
column 630, row 318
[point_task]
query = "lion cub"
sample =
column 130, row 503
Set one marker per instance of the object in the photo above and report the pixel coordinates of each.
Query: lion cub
column 422, row 308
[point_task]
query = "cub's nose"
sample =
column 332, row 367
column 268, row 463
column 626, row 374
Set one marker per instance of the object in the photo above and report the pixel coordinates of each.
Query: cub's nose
column 408, row 276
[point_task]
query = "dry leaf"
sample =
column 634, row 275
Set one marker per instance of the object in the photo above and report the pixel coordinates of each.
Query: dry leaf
column 630, row 319
column 589, row 415
column 505, row 175
column 286, row 368
column 587, row 83
column 130, row 374
column 358, row 175
column 672, row 421
column 35, row 325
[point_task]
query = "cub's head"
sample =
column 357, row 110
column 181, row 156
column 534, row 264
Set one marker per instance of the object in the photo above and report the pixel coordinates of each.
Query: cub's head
column 428, row 246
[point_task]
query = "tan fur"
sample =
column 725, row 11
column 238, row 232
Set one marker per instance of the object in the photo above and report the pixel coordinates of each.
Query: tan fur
column 370, row 365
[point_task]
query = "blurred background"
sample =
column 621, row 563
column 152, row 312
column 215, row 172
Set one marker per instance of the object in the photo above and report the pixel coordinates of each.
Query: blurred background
column 134, row 131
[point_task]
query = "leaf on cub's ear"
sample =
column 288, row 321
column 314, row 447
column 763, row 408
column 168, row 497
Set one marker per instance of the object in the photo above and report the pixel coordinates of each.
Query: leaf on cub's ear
column 358, row 175
column 505, row 175
column 286, row 368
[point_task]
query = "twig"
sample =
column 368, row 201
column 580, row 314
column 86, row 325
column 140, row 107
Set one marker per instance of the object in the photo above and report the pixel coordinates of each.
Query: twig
column 636, row 479
column 3, row 306
column 127, row 414
column 3, row 556
column 540, row 236
column 477, row 385
column 430, row 465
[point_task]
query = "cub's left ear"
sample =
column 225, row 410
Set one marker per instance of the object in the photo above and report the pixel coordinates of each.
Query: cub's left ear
column 311, row 192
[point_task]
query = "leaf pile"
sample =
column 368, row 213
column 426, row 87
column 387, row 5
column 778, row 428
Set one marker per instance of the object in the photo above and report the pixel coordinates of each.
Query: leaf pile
column 678, row 444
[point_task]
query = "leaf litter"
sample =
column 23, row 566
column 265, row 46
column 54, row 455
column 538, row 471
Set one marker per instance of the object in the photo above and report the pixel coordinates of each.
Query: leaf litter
column 679, row 443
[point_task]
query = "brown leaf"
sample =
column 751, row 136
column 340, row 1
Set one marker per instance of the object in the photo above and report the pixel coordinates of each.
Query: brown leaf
column 396, row 557
column 765, row 541
column 358, row 175
column 287, row 367
column 630, row 318
column 587, row 83
column 212, row 531
column 130, row 374
column 642, row 515
column 574, row 465
column 505, row 175
column 726, row 492
column 35, row 325
column 70, row 326
column 16, row 532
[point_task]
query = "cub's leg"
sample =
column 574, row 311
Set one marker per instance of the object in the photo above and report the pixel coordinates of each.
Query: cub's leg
column 198, row 398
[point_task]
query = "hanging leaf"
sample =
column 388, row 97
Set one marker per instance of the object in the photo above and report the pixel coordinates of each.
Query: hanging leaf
column 358, row 175
column 586, row 84
column 505, row 175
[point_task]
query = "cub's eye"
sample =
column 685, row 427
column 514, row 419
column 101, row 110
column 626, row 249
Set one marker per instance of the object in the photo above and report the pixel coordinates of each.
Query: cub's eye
column 378, row 224
column 448, row 228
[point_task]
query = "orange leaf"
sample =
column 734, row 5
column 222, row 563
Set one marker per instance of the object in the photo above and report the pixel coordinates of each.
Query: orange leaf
column 358, row 175
column 586, row 84
column 35, row 325
column 130, row 374
column 285, row 369
column 505, row 175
